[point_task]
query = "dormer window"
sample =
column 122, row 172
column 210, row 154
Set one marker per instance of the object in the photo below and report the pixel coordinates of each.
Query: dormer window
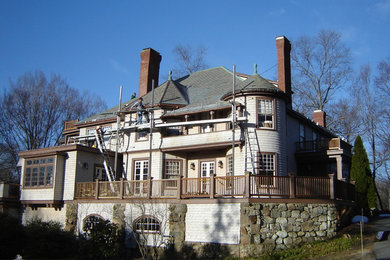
column 265, row 113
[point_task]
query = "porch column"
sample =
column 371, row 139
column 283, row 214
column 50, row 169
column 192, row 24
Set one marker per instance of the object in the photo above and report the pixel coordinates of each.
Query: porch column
column 331, row 186
column 292, row 185
column 212, row 114
column 97, row 189
column 247, row 184
column 212, row 186
column 179, row 187
column 339, row 162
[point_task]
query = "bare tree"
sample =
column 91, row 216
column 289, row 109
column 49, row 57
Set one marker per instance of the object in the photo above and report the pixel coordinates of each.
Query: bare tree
column 345, row 118
column 33, row 112
column 382, row 82
column 321, row 65
column 189, row 59
column 369, row 98
column 150, row 233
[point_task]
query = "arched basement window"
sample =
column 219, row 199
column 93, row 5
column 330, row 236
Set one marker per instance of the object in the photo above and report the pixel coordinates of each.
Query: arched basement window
column 90, row 221
column 147, row 224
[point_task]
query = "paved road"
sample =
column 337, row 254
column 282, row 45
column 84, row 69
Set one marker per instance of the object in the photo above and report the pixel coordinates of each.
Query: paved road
column 382, row 248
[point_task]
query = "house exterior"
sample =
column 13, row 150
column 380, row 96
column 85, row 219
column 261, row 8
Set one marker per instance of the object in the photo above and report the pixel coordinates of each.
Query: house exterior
column 211, row 146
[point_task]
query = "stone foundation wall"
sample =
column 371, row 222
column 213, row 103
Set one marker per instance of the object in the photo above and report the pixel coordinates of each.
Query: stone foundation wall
column 177, row 224
column 269, row 226
column 262, row 227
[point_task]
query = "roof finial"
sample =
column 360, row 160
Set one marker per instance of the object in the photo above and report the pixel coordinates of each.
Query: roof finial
column 255, row 72
column 170, row 75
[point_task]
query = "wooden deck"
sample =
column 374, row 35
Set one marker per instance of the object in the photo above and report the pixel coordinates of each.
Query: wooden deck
column 241, row 186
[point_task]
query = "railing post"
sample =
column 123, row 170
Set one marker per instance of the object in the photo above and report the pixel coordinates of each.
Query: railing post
column 331, row 186
column 179, row 187
column 97, row 189
column 149, row 183
column 212, row 186
column 121, row 188
column 247, row 184
column 292, row 185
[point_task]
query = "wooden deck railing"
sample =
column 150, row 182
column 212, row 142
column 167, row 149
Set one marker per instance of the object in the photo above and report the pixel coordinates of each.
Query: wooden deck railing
column 242, row 186
column 70, row 125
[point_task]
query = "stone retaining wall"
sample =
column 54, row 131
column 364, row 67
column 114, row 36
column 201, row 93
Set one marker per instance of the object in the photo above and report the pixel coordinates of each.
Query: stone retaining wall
column 263, row 227
column 279, row 226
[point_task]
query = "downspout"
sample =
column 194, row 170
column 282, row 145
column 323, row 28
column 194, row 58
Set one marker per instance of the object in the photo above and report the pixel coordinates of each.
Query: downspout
column 234, row 117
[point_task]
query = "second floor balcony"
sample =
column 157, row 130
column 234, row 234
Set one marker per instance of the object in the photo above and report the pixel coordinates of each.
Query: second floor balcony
column 323, row 145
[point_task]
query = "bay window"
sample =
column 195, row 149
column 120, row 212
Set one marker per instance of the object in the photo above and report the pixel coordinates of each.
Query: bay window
column 39, row 172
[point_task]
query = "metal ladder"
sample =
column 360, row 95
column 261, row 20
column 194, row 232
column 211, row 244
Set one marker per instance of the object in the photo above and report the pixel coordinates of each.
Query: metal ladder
column 252, row 150
column 106, row 157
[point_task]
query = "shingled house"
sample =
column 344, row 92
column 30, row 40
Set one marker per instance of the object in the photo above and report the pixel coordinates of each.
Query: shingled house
column 209, row 143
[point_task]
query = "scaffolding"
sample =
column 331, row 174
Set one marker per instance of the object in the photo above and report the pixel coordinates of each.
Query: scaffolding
column 250, row 137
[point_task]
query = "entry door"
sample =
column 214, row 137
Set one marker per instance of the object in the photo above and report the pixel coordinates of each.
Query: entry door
column 206, row 168
column 141, row 170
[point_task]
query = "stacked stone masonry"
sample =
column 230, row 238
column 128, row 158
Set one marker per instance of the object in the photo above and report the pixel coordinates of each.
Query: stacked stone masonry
column 279, row 226
column 262, row 227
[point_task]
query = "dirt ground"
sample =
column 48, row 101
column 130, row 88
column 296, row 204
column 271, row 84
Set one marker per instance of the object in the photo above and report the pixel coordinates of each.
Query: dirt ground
column 369, row 236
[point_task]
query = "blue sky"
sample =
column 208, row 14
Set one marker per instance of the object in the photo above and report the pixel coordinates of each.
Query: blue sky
column 95, row 45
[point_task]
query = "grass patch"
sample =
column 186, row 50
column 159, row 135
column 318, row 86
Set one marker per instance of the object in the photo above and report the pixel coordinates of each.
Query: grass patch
column 315, row 249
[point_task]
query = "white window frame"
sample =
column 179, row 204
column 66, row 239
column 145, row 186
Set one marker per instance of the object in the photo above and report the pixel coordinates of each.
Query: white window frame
column 147, row 224
column 265, row 113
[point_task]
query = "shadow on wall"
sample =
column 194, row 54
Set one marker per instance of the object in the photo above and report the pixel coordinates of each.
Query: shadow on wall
column 205, row 251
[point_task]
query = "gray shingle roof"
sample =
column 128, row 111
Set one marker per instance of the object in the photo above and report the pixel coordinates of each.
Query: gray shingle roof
column 199, row 91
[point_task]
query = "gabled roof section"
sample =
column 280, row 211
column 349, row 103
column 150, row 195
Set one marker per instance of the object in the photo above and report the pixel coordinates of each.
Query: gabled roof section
column 257, row 83
column 200, row 91
column 205, row 89
column 174, row 93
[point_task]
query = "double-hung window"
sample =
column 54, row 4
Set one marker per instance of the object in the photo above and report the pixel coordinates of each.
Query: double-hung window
column 265, row 113
column 39, row 172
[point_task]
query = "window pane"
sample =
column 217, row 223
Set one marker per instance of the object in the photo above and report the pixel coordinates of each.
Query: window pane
column 265, row 113
column 34, row 181
column 41, row 175
column 147, row 225
column 137, row 174
column 230, row 166
column 146, row 170
column 49, row 175
column 39, row 172
column 172, row 169
column 267, row 164
column 27, row 177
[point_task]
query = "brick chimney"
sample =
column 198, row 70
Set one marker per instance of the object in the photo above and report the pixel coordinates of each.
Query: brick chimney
column 283, row 48
column 150, row 67
column 319, row 117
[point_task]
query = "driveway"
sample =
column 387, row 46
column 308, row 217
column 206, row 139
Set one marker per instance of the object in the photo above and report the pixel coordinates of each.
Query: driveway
column 382, row 248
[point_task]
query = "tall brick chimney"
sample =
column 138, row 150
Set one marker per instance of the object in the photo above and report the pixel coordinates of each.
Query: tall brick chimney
column 150, row 67
column 319, row 117
column 283, row 48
